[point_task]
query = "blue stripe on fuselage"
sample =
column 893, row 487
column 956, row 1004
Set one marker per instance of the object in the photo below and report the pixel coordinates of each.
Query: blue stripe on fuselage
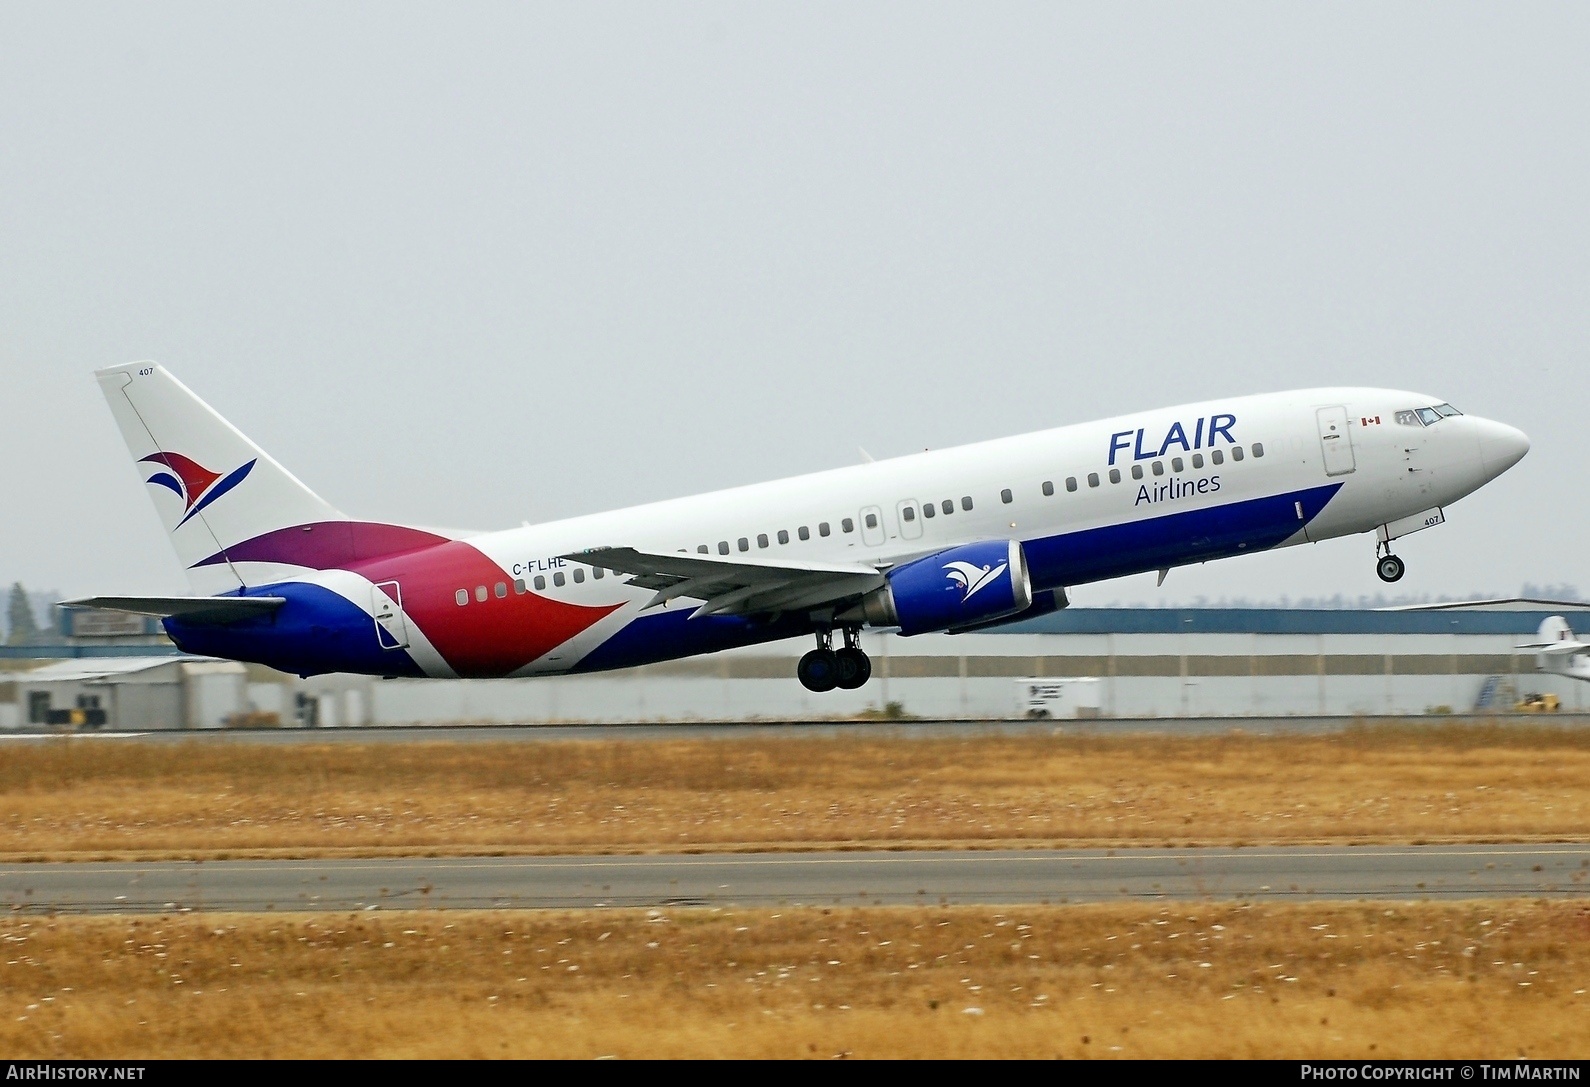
column 669, row 635
column 316, row 631
column 1177, row 539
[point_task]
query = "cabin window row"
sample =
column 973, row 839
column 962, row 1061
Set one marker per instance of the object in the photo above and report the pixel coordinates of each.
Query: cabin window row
column 930, row 510
column 824, row 528
column 520, row 587
column 1177, row 464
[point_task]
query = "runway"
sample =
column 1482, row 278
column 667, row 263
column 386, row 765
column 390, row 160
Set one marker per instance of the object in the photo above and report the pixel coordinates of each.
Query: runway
column 741, row 730
column 805, row 879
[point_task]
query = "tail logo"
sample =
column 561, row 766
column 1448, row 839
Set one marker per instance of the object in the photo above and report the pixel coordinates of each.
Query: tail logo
column 192, row 482
column 972, row 578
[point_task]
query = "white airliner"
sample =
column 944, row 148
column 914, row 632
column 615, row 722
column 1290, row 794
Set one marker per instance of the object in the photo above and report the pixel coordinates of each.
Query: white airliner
column 950, row 540
column 1558, row 651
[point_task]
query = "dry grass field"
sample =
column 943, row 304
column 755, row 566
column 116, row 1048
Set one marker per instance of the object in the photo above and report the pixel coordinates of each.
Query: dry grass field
column 90, row 798
column 1480, row 980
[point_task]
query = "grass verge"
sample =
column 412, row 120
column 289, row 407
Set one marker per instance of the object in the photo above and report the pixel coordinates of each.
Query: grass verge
column 81, row 799
column 1322, row 980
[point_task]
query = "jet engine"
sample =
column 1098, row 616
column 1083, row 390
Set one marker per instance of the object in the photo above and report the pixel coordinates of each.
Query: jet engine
column 962, row 587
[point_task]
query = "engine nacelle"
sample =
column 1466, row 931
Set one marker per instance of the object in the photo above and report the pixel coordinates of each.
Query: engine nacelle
column 963, row 587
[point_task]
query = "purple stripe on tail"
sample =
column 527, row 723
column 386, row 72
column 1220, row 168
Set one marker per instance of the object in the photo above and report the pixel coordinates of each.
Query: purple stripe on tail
column 327, row 545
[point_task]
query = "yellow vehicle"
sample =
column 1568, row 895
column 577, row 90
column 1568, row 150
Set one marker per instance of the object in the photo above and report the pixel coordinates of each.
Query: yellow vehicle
column 1538, row 703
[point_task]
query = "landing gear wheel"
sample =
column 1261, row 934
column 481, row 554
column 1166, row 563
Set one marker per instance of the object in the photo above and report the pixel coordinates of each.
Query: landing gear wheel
column 1390, row 568
column 855, row 668
column 818, row 670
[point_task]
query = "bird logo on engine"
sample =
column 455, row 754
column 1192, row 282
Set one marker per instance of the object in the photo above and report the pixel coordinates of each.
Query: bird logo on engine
column 972, row 578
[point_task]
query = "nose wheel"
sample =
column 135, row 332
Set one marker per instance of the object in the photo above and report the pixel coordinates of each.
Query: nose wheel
column 826, row 668
column 1389, row 567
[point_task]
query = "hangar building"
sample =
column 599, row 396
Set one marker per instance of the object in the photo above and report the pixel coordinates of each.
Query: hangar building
column 1148, row 663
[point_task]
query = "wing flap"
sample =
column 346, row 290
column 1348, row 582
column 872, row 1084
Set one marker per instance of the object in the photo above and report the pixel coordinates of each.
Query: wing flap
column 735, row 586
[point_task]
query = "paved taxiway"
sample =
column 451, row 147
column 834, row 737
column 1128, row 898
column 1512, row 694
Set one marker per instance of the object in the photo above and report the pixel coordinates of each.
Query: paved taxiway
column 834, row 878
column 740, row 730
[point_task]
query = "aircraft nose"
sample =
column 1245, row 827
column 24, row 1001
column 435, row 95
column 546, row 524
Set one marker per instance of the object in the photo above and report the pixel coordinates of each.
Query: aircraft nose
column 1501, row 446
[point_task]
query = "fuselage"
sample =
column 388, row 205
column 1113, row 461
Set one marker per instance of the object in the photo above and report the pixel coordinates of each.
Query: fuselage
column 1146, row 491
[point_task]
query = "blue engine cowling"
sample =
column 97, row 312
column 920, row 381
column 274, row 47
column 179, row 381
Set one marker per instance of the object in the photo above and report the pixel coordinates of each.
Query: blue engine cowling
column 963, row 587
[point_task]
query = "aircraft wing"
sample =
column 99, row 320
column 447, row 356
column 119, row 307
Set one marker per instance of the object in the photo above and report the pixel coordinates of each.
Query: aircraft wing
column 735, row 586
column 212, row 609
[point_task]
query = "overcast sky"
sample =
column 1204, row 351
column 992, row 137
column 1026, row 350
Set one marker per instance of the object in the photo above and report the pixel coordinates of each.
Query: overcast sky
column 471, row 264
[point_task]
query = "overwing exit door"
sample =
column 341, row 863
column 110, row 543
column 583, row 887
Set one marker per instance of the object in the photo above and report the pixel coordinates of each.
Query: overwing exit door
column 391, row 630
column 1336, row 442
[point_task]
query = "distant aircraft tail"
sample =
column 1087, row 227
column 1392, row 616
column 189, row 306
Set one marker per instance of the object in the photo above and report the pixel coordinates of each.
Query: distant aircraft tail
column 1557, row 650
column 1553, row 630
column 213, row 488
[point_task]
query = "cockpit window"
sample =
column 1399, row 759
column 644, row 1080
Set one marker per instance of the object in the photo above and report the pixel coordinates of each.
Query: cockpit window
column 1429, row 416
column 1408, row 418
column 1446, row 410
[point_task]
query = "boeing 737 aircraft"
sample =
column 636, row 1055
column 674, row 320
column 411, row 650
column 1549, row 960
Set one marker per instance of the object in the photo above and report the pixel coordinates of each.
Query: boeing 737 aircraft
column 950, row 540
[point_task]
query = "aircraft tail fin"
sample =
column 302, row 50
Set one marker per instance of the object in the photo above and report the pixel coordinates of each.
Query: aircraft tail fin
column 1554, row 629
column 212, row 488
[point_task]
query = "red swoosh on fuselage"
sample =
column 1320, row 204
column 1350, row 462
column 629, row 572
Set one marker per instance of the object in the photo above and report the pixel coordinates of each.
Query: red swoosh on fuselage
column 480, row 640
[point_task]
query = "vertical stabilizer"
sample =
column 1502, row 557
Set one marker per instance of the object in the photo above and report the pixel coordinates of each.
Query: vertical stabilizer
column 1554, row 629
column 211, row 486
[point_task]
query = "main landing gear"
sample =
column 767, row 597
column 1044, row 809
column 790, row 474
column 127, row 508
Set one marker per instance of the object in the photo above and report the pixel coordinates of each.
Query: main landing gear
column 825, row 668
column 1388, row 566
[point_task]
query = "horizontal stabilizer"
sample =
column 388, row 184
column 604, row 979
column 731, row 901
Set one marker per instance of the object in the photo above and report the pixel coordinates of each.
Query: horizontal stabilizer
column 202, row 609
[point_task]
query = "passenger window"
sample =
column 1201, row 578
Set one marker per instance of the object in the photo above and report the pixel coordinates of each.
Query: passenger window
column 805, row 533
column 872, row 520
column 1093, row 479
column 1071, row 483
column 907, row 514
column 847, row 525
column 579, row 575
column 966, row 503
column 761, row 539
column 518, row 585
column 598, row 573
column 1048, row 488
column 1236, row 452
column 1115, row 474
column 1258, row 449
column 480, row 593
column 462, row 596
column 558, row 578
column 743, row 544
column 540, row 582
column 1006, row 497
column 703, row 548
column 502, row 590
column 783, row 535
column 723, row 547
column 1175, row 464
column 1198, row 460
column 948, row 507
column 822, row 528
column 1159, row 468
column 1216, row 457
column 929, row 510
column 1137, row 471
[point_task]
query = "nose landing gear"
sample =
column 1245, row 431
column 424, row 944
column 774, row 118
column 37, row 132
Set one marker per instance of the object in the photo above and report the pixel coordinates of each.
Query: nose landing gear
column 1389, row 567
column 825, row 668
